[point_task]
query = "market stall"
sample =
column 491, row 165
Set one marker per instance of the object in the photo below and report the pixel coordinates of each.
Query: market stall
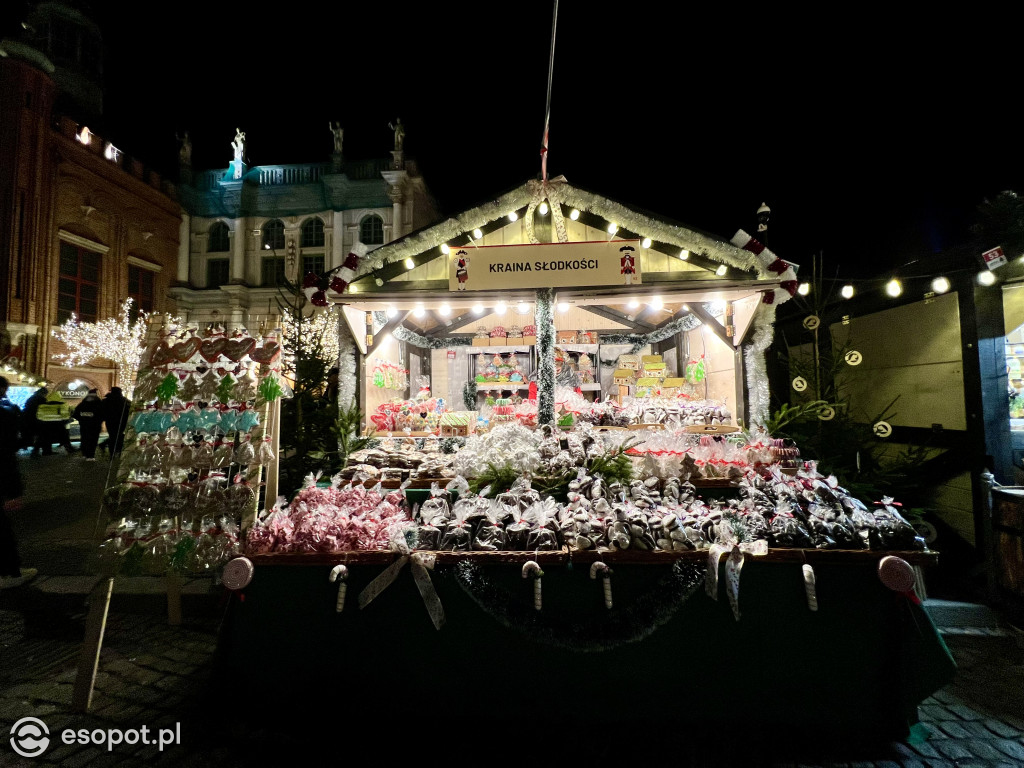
column 569, row 470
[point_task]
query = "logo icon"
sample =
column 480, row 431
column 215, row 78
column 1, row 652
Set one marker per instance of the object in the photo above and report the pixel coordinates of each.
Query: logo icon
column 30, row 737
column 853, row 357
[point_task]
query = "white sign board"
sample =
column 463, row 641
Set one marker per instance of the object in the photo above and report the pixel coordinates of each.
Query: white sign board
column 544, row 265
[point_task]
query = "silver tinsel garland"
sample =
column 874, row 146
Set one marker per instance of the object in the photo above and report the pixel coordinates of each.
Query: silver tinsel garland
column 347, row 379
column 409, row 337
column 758, row 400
column 641, row 340
column 545, row 357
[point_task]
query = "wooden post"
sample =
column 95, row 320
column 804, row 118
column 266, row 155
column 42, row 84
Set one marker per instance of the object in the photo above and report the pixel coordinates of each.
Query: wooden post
column 174, row 598
column 89, row 658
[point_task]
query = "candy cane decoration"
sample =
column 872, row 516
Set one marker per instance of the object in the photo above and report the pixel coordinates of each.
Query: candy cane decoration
column 339, row 573
column 532, row 567
column 770, row 263
column 606, row 575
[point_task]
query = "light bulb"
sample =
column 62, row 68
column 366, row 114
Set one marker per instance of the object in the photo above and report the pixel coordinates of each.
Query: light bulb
column 894, row 288
column 500, row 308
column 645, row 243
column 804, row 289
column 563, row 306
column 633, row 304
column 657, row 303
column 513, row 216
column 445, row 249
column 940, row 284
column 721, row 270
column 543, row 208
column 419, row 312
column 524, row 308
column 392, row 312
column 445, row 310
column 477, row 234
column 847, row 292
column 684, row 254
column 478, row 309
column 574, row 214
column 613, row 228
column 987, row 277
column 410, row 264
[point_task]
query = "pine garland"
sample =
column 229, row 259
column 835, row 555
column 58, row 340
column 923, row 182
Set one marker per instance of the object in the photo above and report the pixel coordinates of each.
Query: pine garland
column 469, row 395
column 409, row 337
column 545, row 357
column 605, row 631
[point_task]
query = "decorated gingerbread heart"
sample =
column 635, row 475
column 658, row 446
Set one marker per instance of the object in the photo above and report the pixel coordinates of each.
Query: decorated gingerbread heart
column 268, row 353
column 162, row 354
column 236, row 349
column 186, row 350
column 211, row 349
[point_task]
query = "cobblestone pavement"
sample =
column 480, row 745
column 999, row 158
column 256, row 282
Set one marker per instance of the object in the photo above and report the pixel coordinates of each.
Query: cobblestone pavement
column 163, row 677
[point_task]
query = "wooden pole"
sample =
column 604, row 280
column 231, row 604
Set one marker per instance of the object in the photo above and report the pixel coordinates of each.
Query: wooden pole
column 89, row 658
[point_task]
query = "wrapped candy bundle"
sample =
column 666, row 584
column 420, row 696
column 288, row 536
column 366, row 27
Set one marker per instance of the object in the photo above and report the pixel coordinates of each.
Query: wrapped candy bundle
column 490, row 534
column 458, row 536
column 542, row 518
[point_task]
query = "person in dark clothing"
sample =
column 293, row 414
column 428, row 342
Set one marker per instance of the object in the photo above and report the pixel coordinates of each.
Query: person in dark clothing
column 11, row 488
column 89, row 414
column 28, row 419
column 115, row 415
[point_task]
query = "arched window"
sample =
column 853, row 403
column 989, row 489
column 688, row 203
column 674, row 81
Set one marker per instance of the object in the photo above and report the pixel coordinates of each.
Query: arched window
column 273, row 234
column 312, row 233
column 371, row 230
column 218, row 242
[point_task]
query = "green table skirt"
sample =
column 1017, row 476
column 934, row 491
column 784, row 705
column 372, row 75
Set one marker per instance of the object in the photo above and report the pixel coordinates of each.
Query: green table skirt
column 860, row 664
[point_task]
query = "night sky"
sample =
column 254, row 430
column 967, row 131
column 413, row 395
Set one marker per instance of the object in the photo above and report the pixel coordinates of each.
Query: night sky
column 872, row 139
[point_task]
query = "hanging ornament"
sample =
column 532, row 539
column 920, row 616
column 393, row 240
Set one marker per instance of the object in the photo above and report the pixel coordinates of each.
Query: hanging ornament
column 168, row 388
column 853, row 357
column 339, row 573
column 225, row 389
column 532, row 568
column 189, row 389
column 810, row 587
column 600, row 569
column 799, row 383
column 811, row 322
column 882, row 429
column 208, row 387
column 827, row 413
column 269, row 389
column 696, row 370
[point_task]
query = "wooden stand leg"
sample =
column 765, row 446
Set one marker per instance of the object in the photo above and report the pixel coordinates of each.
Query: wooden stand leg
column 173, row 599
column 89, row 659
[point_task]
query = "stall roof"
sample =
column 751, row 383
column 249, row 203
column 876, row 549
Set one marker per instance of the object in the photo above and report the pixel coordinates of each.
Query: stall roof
column 415, row 263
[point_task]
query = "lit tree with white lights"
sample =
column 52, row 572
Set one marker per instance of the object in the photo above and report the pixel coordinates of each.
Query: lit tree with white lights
column 121, row 340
